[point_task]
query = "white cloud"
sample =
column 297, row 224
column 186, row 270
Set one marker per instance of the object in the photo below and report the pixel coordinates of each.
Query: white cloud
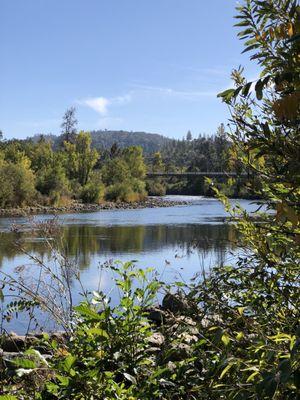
column 102, row 104
column 98, row 104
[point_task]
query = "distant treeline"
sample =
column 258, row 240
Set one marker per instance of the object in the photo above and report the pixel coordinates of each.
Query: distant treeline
column 98, row 166
column 105, row 139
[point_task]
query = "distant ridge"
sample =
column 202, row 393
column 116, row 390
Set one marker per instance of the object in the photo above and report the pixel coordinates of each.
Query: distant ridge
column 150, row 142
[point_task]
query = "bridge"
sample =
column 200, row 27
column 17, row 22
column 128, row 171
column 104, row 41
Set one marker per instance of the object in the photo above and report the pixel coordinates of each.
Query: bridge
column 195, row 174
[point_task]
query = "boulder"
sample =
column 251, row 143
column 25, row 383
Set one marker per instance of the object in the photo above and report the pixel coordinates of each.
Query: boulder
column 179, row 352
column 155, row 314
column 157, row 339
column 175, row 304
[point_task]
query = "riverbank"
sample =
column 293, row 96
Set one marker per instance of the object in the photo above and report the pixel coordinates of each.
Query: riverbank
column 75, row 207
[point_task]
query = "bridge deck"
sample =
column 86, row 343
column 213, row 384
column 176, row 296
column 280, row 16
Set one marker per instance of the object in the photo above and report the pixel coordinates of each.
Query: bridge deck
column 187, row 174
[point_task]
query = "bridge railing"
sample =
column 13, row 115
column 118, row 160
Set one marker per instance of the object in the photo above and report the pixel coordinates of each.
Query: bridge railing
column 187, row 174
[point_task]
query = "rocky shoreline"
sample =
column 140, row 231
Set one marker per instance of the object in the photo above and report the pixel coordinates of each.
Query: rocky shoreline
column 75, row 207
column 165, row 320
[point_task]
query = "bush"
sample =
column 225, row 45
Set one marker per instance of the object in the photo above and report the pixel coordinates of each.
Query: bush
column 53, row 179
column 119, row 192
column 139, row 187
column 128, row 192
column 92, row 192
column 17, row 185
column 155, row 188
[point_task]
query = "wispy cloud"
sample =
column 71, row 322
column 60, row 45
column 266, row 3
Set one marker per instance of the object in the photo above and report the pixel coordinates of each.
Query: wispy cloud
column 167, row 91
column 126, row 98
column 210, row 71
column 101, row 104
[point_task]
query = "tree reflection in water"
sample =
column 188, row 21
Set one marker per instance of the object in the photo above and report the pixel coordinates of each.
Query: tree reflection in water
column 83, row 242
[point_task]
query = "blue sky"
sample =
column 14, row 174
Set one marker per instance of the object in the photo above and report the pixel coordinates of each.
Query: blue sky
column 146, row 65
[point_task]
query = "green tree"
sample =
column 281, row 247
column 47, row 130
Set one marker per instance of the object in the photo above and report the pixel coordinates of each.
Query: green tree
column 53, row 182
column 41, row 155
column 157, row 163
column 115, row 171
column 189, row 136
column 156, row 186
column 17, row 184
column 81, row 158
column 133, row 156
column 124, row 175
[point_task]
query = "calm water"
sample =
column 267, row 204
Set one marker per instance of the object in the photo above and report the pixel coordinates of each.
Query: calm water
column 177, row 241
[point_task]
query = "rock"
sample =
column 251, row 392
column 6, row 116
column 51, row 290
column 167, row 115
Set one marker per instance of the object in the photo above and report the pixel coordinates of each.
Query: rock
column 17, row 343
column 79, row 207
column 156, row 315
column 211, row 320
column 175, row 304
column 157, row 339
column 13, row 343
column 187, row 338
column 179, row 352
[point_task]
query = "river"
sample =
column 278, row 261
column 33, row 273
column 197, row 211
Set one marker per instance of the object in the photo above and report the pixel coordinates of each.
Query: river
column 177, row 241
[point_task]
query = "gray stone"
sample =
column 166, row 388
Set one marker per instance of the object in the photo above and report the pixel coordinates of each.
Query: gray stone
column 157, row 339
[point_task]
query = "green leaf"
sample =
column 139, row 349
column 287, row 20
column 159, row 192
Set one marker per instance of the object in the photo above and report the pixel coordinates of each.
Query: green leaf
column 259, row 89
column 86, row 311
column 97, row 332
column 24, row 363
column 246, row 89
column 68, row 362
column 252, row 376
column 225, row 339
column 227, row 95
column 63, row 380
column 245, row 32
column 225, row 370
column 7, row 397
column 249, row 48
column 243, row 23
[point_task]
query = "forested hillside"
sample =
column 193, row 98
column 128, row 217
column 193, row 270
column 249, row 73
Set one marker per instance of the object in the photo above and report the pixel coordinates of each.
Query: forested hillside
column 101, row 140
column 150, row 142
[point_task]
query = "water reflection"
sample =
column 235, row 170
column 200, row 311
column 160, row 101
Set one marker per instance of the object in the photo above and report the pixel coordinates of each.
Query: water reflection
column 84, row 242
